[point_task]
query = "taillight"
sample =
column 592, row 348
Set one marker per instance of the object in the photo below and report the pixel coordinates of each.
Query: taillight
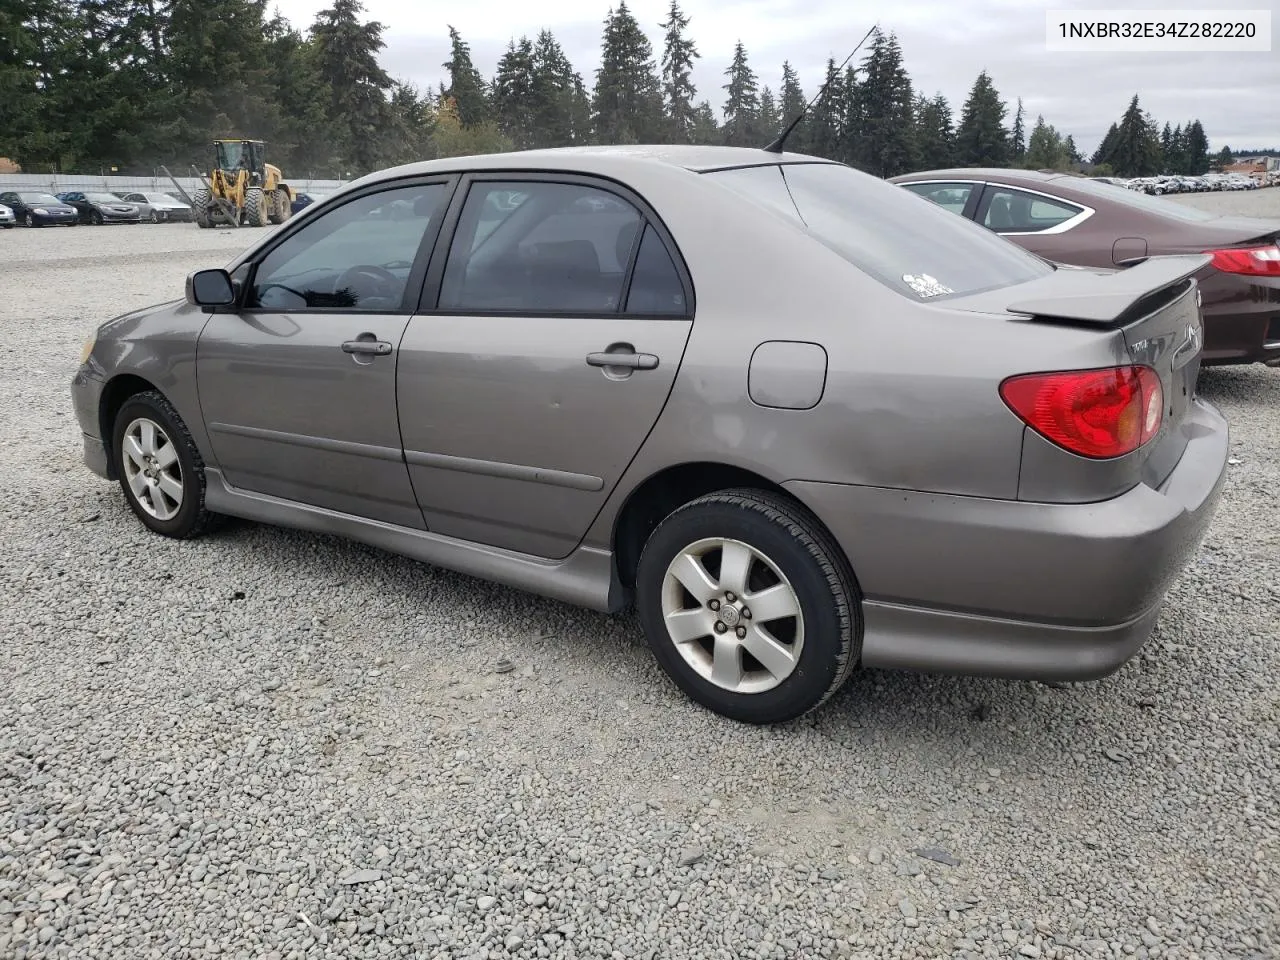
column 1251, row 261
column 1094, row 413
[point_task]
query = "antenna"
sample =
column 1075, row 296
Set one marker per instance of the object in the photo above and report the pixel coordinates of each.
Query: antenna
column 777, row 145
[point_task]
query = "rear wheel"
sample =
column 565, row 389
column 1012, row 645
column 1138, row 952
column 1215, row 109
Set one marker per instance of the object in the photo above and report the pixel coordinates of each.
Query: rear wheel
column 255, row 207
column 200, row 201
column 281, row 206
column 160, row 470
column 749, row 606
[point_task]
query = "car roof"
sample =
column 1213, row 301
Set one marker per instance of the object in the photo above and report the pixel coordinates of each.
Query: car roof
column 970, row 173
column 602, row 160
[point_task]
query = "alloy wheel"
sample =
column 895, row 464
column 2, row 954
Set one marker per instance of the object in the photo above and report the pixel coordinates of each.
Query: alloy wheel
column 732, row 615
column 152, row 468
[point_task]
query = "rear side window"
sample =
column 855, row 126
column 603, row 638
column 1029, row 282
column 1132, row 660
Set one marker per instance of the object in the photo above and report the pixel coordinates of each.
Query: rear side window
column 1015, row 211
column 656, row 290
column 921, row 250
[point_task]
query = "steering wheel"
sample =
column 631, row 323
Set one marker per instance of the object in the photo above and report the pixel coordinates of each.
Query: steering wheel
column 365, row 269
column 280, row 286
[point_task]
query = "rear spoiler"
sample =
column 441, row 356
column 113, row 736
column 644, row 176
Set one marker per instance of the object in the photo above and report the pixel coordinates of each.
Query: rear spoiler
column 1107, row 298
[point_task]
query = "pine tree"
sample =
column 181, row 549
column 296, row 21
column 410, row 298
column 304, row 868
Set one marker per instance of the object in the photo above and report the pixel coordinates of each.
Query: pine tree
column 1168, row 161
column 1196, row 149
column 1106, row 147
column 346, row 54
column 562, row 111
column 1225, row 158
column 514, row 103
column 884, row 125
column 768, row 123
column 1134, row 151
column 935, row 133
column 466, row 87
column 1073, row 155
column 706, row 130
column 627, row 105
column 826, row 123
column 1018, row 140
column 791, row 102
column 678, row 54
column 982, row 139
column 742, row 105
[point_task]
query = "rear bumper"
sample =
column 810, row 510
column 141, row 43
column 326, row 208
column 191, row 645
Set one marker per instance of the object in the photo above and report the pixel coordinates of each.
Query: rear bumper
column 1241, row 320
column 1017, row 589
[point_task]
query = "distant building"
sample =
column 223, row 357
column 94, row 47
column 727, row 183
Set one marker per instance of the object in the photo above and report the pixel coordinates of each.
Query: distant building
column 1257, row 164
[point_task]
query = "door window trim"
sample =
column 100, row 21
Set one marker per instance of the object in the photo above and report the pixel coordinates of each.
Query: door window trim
column 428, row 303
column 994, row 186
column 249, row 264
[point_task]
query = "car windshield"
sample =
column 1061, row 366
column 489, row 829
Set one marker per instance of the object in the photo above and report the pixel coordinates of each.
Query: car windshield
column 102, row 198
column 1141, row 201
column 39, row 198
column 908, row 243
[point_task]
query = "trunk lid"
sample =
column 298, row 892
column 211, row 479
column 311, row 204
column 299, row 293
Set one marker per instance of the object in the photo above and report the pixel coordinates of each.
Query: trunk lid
column 1154, row 307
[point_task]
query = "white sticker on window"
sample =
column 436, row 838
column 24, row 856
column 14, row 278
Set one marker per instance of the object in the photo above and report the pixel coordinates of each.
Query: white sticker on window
column 925, row 285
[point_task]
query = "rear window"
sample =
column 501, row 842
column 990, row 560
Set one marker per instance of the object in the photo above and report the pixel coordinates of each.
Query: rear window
column 908, row 243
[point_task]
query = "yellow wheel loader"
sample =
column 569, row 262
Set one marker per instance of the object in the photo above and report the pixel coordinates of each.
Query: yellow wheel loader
column 242, row 188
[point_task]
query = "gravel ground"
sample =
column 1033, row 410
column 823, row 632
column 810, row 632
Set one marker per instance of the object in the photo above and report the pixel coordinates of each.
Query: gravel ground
column 273, row 745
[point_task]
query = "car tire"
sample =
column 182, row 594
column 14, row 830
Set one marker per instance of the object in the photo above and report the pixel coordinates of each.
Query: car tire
column 160, row 449
column 96, row 217
column 155, row 217
column 745, row 667
column 30, row 220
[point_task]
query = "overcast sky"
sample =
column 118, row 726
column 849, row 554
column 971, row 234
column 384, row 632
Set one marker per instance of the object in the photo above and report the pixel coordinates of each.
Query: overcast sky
column 945, row 42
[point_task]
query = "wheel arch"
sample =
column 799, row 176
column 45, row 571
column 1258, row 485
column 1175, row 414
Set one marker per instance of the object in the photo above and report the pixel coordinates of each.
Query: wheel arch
column 658, row 495
column 115, row 395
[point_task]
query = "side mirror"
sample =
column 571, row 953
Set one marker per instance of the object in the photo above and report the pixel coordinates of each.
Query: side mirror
column 210, row 288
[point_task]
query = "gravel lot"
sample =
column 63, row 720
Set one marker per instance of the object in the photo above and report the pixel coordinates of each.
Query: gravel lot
column 273, row 745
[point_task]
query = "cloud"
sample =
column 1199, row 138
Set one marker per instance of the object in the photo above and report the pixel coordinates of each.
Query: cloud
column 945, row 45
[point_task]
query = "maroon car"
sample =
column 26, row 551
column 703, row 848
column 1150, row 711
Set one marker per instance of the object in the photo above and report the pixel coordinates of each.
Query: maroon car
column 1075, row 220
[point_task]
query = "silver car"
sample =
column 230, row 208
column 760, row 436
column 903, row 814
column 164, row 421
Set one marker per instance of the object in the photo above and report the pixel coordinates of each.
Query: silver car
column 803, row 419
column 7, row 220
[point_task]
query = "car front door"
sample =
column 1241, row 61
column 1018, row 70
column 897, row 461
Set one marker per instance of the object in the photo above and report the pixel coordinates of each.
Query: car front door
column 297, row 384
column 547, row 347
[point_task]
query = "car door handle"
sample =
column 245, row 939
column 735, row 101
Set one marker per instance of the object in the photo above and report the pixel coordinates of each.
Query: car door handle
column 634, row 361
column 378, row 348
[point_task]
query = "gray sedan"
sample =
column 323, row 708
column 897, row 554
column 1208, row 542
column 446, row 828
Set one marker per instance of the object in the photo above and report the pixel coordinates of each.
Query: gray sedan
column 803, row 421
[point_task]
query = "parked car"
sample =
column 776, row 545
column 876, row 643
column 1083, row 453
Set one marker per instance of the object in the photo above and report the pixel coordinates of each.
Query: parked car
column 303, row 200
column 35, row 208
column 100, row 208
column 159, row 207
column 803, row 420
column 1076, row 221
column 7, row 220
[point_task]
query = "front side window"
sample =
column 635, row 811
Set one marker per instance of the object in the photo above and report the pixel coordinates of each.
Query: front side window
column 1015, row 211
column 540, row 247
column 949, row 196
column 356, row 256
column 918, row 249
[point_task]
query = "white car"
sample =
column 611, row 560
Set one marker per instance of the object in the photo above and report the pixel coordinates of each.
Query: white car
column 7, row 220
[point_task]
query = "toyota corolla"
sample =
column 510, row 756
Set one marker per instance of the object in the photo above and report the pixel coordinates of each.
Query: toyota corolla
column 803, row 421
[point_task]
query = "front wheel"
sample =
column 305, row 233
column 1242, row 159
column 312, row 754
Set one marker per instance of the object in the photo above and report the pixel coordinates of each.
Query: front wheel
column 160, row 470
column 749, row 606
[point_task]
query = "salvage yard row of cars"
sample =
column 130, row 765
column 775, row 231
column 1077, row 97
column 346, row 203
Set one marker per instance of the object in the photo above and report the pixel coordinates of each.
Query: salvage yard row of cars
column 803, row 419
column 38, row 208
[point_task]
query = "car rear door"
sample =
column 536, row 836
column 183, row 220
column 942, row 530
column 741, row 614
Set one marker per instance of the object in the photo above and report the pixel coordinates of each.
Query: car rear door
column 297, row 384
column 1046, row 225
column 548, row 343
